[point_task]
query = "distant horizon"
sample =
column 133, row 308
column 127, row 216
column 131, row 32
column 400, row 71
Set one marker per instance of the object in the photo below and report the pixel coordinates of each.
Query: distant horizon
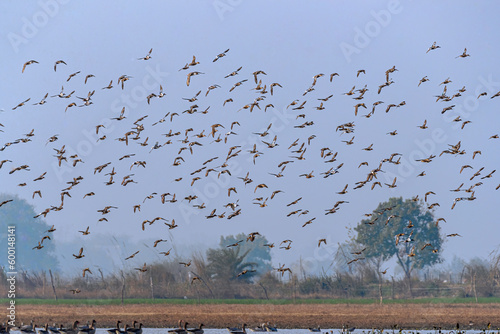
column 112, row 245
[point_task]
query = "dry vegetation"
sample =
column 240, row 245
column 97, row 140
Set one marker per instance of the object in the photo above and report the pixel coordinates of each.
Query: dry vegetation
column 171, row 281
column 420, row 316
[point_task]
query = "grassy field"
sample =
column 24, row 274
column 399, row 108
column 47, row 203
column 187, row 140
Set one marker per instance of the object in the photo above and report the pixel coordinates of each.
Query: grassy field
column 364, row 301
column 222, row 314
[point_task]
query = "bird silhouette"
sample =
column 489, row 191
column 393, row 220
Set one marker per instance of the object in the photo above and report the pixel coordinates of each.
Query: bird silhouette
column 29, row 62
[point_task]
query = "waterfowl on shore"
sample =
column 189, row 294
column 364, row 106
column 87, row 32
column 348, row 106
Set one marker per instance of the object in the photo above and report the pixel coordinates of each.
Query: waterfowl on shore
column 44, row 330
column 84, row 326
column 198, row 330
column 87, row 329
column 72, row 330
column 113, row 330
column 124, row 330
column 134, row 330
column 28, row 329
column 180, row 329
column 236, row 330
column 264, row 327
column 270, row 328
column 261, row 328
column 4, row 329
column 54, row 329
column 133, row 325
column 346, row 328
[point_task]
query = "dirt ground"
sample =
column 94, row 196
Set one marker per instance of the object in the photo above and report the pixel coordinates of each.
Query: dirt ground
column 414, row 316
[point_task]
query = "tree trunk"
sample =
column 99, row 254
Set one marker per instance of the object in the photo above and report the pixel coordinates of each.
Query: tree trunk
column 197, row 294
column 380, row 292
column 378, row 265
column 102, row 278
column 54, row 288
column 123, row 287
column 380, row 288
column 152, row 289
column 302, row 268
column 410, row 287
column 392, row 289
column 474, row 286
column 43, row 285
column 407, row 270
column 265, row 291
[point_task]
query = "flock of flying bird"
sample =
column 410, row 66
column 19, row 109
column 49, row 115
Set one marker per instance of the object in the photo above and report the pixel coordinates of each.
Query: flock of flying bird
column 219, row 136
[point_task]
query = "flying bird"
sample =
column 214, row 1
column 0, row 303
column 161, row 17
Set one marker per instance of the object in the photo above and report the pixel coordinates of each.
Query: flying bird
column 147, row 57
column 220, row 55
column 131, row 256
column 86, row 270
column 433, row 47
column 29, row 62
column 57, row 63
column 464, row 54
column 143, row 269
column 80, row 254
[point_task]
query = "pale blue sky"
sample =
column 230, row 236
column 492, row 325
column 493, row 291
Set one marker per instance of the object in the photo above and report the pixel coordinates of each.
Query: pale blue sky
column 291, row 41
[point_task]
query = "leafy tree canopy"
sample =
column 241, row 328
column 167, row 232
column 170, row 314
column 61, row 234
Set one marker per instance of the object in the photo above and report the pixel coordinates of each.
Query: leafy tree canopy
column 229, row 264
column 29, row 232
column 405, row 229
column 257, row 252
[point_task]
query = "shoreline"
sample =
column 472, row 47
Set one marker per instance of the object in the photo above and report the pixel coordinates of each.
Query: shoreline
column 405, row 316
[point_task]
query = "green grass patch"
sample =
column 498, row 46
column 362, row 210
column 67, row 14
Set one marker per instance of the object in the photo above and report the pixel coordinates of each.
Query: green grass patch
column 29, row 301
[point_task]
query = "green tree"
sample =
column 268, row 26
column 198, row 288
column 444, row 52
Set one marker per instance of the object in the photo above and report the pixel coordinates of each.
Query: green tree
column 229, row 264
column 29, row 231
column 402, row 229
column 257, row 252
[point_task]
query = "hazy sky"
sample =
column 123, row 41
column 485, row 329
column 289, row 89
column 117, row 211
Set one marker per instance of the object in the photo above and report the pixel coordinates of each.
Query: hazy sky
column 291, row 41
